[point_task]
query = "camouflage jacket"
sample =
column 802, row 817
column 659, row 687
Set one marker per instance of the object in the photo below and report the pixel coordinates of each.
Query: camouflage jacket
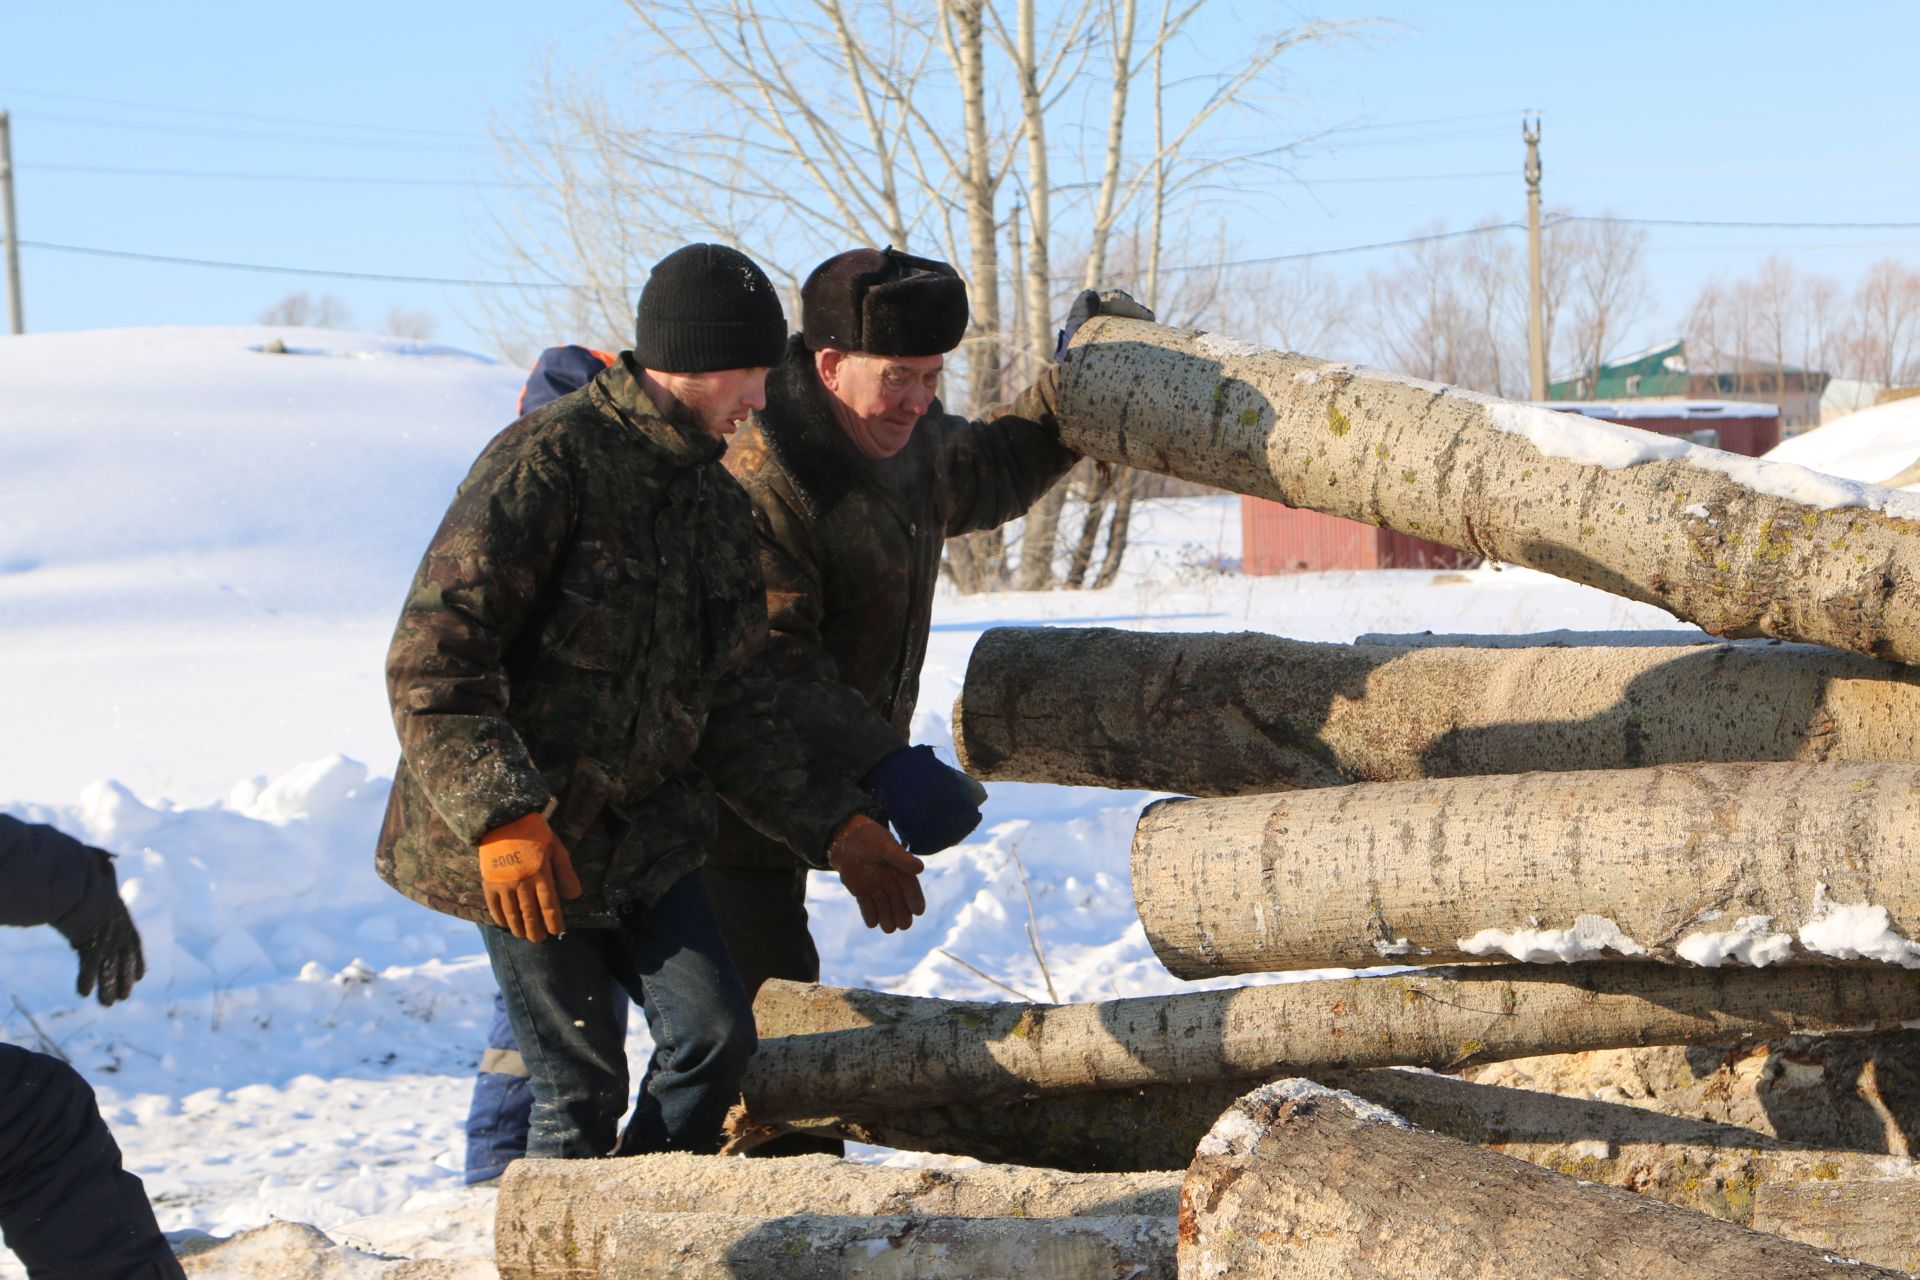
column 576, row 640
column 850, row 548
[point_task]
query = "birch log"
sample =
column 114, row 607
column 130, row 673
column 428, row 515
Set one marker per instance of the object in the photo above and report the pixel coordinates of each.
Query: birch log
column 1850, row 1093
column 811, row 1246
column 1299, row 1181
column 1227, row 715
column 1737, row 546
column 1716, row 1168
column 1433, row 1019
column 1874, row 1221
column 1755, row 863
column 559, row 1217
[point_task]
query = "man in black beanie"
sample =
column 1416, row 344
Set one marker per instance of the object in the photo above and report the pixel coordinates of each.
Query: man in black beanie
column 858, row 477
column 570, row 682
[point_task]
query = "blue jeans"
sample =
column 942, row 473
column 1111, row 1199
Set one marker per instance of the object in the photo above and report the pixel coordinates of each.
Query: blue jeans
column 671, row 961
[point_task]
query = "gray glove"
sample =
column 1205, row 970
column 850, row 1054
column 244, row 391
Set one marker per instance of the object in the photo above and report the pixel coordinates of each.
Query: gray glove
column 1091, row 303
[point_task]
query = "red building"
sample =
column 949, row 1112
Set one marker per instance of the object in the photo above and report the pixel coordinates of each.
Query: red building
column 1279, row 539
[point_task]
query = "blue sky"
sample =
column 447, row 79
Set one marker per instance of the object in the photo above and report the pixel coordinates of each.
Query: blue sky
column 381, row 113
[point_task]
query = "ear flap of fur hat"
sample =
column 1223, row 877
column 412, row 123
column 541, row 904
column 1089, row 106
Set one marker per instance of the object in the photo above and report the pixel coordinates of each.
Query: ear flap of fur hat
column 885, row 303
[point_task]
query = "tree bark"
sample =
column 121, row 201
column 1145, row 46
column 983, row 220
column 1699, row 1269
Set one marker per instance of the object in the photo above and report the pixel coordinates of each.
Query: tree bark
column 1685, row 531
column 1851, row 1093
column 561, row 1217
column 1874, row 1221
column 1243, row 714
column 1299, row 1181
column 1435, row 1019
column 811, row 1246
column 1712, row 863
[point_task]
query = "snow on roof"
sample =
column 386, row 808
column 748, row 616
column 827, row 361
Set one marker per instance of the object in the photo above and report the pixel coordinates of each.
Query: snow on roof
column 1620, row 410
column 1654, row 350
column 1873, row 445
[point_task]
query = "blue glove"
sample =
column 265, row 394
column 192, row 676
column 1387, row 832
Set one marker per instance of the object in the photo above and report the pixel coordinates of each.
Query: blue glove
column 932, row 806
column 1090, row 303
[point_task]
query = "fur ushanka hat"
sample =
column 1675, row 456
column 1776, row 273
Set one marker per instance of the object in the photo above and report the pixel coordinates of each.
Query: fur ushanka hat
column 885, row 303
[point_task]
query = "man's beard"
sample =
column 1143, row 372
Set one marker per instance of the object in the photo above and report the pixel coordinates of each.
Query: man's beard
column 683, row 415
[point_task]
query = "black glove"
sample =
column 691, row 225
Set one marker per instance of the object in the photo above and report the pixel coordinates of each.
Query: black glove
column 932, row 806
column 1112, row 302
column 102, row 931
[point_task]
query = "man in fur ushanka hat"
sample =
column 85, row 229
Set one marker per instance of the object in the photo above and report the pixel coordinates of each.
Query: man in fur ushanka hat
column 858, row 477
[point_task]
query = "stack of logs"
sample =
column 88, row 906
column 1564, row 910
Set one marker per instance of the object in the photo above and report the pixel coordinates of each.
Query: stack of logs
column 1713, row 831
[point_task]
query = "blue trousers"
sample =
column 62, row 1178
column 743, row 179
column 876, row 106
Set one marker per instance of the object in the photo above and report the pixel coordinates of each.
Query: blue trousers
column 559, row 1003
column 69, row 1211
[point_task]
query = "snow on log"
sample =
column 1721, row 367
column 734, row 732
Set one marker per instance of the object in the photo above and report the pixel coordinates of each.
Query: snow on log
column 1712, row 864
column 1296, row 1180
column 1439, row 1019
column 1227, row 715
column 817, row 1246
column 1739, row 546
column 559, row 1214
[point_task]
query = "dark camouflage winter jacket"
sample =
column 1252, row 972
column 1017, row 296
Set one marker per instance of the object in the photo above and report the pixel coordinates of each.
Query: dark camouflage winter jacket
column 850, row 548
column 577, row 637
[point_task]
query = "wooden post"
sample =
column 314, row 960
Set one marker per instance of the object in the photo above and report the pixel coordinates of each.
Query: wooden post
column 1725, row 863
column 1225, row 715
column 1741, row 547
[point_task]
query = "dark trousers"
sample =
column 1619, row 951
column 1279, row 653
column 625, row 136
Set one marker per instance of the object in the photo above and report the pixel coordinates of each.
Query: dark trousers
column 763, row 916
column 672, row 961
column 67, row 1208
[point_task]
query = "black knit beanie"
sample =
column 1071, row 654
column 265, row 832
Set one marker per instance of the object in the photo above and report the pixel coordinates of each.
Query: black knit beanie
column 885, row 303
column 708, row 307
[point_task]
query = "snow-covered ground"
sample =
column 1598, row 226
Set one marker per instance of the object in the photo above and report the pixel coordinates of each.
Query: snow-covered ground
column 201, row 553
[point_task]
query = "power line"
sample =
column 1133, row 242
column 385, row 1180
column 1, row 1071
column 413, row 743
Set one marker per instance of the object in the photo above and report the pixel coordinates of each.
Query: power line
column 1743, row 226
column 1405, row 242
column 262, row 135
column 240, row 175
column 249, row 176
column 237, row 115
column 383, row 277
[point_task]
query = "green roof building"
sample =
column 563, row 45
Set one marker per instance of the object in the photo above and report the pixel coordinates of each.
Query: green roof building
column 1659, row 372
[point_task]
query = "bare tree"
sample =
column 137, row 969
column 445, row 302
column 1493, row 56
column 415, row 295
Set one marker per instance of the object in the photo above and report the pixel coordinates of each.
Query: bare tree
column 405, row 322
column 796, row 128
column 1418, row 315
column 1607, row 286
column 328, row 311
column 1884, row 331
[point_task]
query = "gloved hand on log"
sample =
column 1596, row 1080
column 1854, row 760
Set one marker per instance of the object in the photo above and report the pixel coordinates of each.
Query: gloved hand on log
column 1101, row 302
column 525, row 871
column 882, row 877
column 101, row 931
column 932, row 805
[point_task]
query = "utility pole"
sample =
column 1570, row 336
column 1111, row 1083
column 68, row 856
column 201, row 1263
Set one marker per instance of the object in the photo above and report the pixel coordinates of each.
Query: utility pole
column 8, row 232
column 1536, row 317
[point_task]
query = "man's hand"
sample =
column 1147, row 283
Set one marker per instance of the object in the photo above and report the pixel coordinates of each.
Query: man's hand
column 882, row 877
column 525, row 871
column 1091, row 303
column 110, row 956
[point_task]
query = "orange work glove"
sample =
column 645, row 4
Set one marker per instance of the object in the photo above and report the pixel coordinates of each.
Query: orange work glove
column 520, row 864
column 882, row 877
